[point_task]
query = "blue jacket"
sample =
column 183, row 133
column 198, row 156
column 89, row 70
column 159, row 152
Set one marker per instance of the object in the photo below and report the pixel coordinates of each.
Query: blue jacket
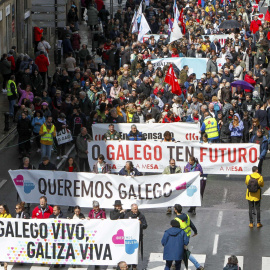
column 237, row 131
column 173, row 241
column 36, row 128
column 263, row 146
column 133, row 172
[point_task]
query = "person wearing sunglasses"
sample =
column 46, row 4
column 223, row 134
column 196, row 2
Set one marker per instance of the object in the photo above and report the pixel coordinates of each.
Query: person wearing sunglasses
column 20, row 211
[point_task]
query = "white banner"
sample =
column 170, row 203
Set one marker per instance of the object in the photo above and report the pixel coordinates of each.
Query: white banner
column 196, row 65
column 154, row 157
column 180, row 131
column 221, row 38
column 63, row 136
column 61, row 241
column 65, row 188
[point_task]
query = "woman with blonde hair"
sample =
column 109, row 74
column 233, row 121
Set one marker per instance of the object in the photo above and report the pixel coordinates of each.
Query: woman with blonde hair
column 237, row 128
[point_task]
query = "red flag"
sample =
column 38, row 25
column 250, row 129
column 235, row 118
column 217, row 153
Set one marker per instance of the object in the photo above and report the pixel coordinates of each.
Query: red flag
column 181, row 19
column 268, row 35
column 171, row 79
column 267, row 16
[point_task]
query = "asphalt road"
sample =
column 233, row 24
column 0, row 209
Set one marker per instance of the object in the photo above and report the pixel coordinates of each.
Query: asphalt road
column 222, row 221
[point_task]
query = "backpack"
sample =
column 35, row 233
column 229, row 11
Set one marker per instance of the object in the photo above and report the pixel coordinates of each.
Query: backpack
column 253, row 185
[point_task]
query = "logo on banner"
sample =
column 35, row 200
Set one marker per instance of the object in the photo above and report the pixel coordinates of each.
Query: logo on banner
column 130, row 244
column 191, row 189
column 28, row 186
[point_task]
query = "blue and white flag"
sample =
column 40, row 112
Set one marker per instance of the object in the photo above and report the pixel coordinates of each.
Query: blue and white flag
column 176, row 12
column 144, row 29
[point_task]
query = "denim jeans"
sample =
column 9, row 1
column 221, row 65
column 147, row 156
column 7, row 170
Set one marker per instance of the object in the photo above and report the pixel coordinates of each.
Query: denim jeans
column 11, row 106
column 194, row 261
column 46, row 150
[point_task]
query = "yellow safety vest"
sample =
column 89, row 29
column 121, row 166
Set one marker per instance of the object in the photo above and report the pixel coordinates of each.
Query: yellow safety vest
column 211, row 127
column 49, row 135
column 9, row 93
column 185, row 225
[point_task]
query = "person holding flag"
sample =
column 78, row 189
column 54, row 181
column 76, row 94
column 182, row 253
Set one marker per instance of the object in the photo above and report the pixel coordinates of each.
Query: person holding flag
column 172, row 80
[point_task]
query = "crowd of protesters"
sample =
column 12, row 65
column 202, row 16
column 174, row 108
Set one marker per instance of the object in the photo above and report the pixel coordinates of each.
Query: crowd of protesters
column 126, row 88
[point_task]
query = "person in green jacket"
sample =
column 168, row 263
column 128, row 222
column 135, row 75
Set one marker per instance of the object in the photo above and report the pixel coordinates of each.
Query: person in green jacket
column 171, row 169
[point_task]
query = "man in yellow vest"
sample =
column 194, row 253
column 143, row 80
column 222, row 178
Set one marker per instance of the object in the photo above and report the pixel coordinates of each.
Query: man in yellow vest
column 211, row 128
column 187, row 225
column 47, row 132
column 12, row 94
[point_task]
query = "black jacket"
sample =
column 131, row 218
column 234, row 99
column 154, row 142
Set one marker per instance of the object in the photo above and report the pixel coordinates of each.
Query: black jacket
column 61, row 215
column 154, row 112
column 139, row 216
column 115, row 214
column 146, row 89
column 49, row 167
column 86, row 106
column 136, row 118
column 23, row 214
column 24, row 128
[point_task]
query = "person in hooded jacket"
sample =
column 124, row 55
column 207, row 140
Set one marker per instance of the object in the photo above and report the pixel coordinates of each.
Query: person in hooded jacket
column 232, row 264
column 236, row 127
column 174, row 241
column 187, row 225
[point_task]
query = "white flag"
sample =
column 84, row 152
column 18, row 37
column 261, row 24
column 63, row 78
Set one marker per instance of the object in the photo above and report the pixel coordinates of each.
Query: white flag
column 134, row 23
column 176, row 32
column 144, row 29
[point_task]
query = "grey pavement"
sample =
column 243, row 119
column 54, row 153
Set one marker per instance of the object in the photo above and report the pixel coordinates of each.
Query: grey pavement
column 222, row 221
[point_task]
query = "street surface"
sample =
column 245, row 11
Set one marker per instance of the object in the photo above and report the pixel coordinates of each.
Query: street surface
column 222, row 221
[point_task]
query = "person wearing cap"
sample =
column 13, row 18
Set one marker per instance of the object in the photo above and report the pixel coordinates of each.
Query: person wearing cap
column 174, row 241
column 45, row 109
column 47, row 132
column 46, row 165
column 96, row 212
column 118, row 212
column 61, row 124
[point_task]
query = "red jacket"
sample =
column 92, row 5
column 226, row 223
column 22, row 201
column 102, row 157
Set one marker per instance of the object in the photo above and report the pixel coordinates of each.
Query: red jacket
column 250, row 80
column 38, row 33
column 75, row 41
column 11, row 59
column 42, row 63
column 99, row 215
column 254, row 26
column 37, row 213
